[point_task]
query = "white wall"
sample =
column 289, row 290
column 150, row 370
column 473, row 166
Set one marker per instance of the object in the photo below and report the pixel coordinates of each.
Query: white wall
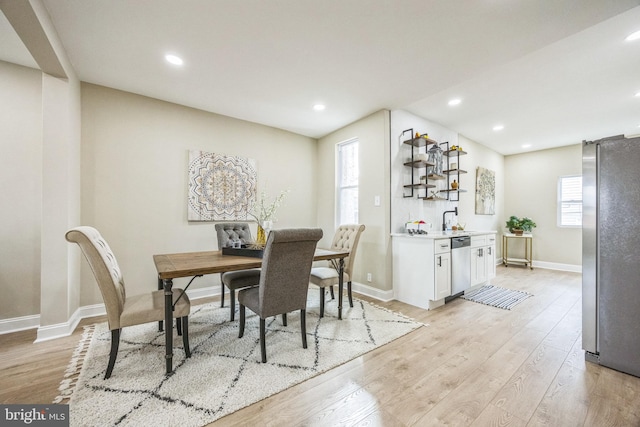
column 21, row 189
column 134, row 178
column 373, row 255
column 39, row 171
column 404, row 209
column 532, row 190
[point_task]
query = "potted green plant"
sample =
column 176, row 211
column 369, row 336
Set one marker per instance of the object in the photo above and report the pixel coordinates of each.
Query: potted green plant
column 518, row 226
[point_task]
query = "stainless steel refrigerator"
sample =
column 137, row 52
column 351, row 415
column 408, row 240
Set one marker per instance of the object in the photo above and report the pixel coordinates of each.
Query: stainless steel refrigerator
column 611, row 253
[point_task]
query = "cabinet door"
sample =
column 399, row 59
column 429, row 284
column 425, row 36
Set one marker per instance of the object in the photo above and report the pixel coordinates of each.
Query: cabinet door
column 442, row 275
column 478, row 265
column 491, row 261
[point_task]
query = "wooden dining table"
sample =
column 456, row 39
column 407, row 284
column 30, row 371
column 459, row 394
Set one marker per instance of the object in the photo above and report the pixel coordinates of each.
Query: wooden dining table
column 187, row 264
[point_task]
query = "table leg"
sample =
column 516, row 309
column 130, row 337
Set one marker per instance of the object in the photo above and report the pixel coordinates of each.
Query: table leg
column 505, row 250
column 168, row 319
column 160, row 287
column 340, row 287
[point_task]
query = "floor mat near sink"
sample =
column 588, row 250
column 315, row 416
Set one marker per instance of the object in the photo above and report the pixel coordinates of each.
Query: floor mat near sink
column 496, row 296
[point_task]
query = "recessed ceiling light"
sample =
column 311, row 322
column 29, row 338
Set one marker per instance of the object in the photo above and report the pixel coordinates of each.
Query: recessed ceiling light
column 526, row 145
column 173, row 59
column 633, row 36
column 498, row 127
column 319, row 107
column 638, row 94
column 455, row 101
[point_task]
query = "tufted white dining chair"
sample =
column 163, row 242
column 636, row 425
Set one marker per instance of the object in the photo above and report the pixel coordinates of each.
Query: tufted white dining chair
column 124, row 310
column 346, row 238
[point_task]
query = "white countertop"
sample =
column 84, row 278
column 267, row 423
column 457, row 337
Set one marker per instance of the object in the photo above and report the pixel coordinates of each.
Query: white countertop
column 443, row 234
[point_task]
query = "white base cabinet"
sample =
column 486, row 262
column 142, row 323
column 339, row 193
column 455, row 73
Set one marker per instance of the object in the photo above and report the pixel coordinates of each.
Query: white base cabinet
column 422, row 267
column 483, row 259
column 491, row 257
column 478, row 260
column 442, row 286
column 421, row 270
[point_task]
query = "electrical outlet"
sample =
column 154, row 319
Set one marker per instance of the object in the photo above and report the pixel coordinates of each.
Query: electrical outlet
column 369, row 277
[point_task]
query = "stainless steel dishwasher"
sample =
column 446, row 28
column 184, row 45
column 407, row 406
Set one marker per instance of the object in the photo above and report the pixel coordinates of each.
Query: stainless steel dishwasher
column 460, row 265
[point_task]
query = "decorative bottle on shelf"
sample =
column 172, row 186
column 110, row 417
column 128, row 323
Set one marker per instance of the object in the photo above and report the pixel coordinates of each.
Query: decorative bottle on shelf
column 435, row 157
column 454, row 185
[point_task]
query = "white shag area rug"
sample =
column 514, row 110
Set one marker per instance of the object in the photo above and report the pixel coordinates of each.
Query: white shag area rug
column 224, row 373
column 496, row 296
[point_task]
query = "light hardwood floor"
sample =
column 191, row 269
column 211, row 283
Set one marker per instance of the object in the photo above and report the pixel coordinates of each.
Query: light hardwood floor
column 472, row 366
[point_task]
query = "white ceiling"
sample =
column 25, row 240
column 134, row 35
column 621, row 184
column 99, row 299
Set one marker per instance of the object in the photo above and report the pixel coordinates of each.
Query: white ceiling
column 552, row 72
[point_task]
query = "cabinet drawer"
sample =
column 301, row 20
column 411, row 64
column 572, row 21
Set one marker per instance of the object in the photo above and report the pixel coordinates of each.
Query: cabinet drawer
column 491, row 239
column 442, row 245
column 478, row 241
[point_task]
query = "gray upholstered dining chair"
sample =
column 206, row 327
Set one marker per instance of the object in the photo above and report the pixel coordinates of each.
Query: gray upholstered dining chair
column 346, row 238
column 124, row 310
column 284, row 281
column 240, row 279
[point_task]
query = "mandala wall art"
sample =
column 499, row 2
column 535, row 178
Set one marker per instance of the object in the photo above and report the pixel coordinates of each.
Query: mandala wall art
column 221, row 187
column 485, row 191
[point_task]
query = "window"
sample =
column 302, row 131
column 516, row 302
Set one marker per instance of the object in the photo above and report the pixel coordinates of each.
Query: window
column 347, row 177
column 570, row 201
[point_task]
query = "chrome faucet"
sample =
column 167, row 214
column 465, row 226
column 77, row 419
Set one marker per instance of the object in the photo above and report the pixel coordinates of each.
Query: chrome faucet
column 454, row 211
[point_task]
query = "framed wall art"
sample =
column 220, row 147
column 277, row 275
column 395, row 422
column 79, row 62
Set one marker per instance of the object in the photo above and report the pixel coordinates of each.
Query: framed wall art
column 220, row 187
column 485, row 191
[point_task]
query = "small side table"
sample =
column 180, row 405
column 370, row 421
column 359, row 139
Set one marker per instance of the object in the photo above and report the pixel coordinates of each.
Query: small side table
column 528, row 249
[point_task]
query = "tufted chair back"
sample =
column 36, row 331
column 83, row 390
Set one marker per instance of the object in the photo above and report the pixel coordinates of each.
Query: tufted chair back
column 346, row 238
column 232, row 231
column 105, row 269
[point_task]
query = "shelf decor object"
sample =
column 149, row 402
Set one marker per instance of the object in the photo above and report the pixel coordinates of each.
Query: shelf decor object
column 264, row 212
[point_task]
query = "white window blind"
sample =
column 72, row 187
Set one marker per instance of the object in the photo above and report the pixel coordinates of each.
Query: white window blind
column 570, row 201
column 347, row 177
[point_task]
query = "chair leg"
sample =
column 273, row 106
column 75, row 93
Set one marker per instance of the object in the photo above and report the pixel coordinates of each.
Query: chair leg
column 241, row 332
column 284, row 319
column 115, row 343
column 185, row 335
column 303, row 327
column 321, row 302
column 263, row 347
column 350, row 297
column 221, row 294
column 331, row 290
column 232, row 304
column 179, row 326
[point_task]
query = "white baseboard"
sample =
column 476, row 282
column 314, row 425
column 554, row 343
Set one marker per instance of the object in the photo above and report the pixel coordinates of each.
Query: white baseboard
column 557, row 266
column 551, row 266
column 16, row 324
column 372, row 292
column 210, row 291
column 59, row 330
